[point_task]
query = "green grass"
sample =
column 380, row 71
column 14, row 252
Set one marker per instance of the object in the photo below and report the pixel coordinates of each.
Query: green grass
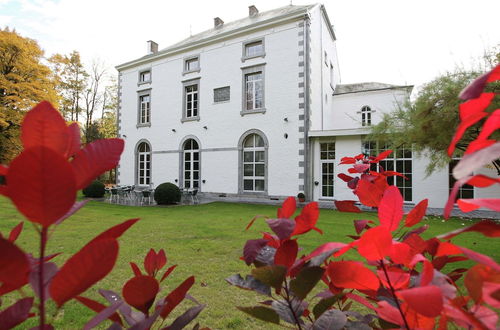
column 204, row 240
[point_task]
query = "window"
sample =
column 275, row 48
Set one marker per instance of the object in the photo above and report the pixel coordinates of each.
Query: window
column 191, row 168
column 327, row 159
column 191, row 101
column 145, row 109
column 144, row 76
column 253, row 49
column 465, row 191
column 143, row 164
column 192, row 64
column 254, row 164
column 366, row 116
column 400, row 160
column 221, row 94
column 253, row 90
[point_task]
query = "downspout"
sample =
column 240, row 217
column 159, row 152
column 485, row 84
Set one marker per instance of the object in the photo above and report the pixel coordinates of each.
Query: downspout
column 307, row 159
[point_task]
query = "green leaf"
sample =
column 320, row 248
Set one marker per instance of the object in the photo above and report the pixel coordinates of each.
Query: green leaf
column 324, row 304
column 261, row 313
column 305, row 281
column 271, row 275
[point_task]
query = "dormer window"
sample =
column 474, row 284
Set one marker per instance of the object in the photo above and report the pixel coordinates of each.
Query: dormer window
column 192, row 64
column 366, row 116
column 145, row 77
column 253, row 48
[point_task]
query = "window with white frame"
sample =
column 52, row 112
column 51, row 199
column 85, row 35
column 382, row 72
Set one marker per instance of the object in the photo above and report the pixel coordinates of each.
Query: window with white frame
column 144, row 109
column 254, row 95
column 254, row 164
column 253, row 49
column 191, row 101
column 143, row 164
column 366, row 116
column 192, row 64
column 327, row 163
column 400, row 160
column 145, row 76
column 191, row 167
column 465, row 191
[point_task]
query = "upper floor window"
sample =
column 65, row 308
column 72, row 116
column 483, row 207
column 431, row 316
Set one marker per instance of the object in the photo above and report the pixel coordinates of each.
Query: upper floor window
column 191, row 100
column 366, row 116
column 254, row 91
column 192, row 64
column 144, row 109
column 145, row 76
column 253, row 49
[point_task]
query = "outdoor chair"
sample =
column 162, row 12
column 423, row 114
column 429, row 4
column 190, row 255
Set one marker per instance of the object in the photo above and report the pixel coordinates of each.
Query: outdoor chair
column 113, row 194
column 146, row 194
column 194, row 196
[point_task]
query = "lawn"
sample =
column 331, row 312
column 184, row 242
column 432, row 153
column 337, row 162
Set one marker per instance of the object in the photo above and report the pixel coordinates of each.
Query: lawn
column 203, row 240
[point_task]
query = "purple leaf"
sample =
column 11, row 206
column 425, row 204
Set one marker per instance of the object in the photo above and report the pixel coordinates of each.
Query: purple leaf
column 332, row 319
column 475, row 88
column 72, row 210
column 249, row 283
column 147, row 322
column 115, row 326
column 131, row 317
column 185, row 318
column 360, row 225
column 283, row 228
column 353, row 183
column 252, row 249
column 49, row 270
column 16, row 313
column 417, row 231
column 471, row 162
column 103, row 315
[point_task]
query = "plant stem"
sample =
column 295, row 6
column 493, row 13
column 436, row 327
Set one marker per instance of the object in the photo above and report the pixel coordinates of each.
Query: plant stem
column 291, row 307
column 41, row 282
column 394, row 294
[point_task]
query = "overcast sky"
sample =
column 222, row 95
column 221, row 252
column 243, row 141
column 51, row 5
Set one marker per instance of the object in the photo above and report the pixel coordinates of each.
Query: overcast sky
column 391, row 41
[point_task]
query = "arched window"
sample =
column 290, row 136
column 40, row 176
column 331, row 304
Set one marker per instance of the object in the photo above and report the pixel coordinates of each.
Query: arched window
column 143, row 162
column 254, row 163
column 366, row 116
column 191, row 164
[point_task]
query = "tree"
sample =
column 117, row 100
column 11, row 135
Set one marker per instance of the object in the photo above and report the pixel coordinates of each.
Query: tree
column 93, row 96
column 428, row 123
column 24, row 81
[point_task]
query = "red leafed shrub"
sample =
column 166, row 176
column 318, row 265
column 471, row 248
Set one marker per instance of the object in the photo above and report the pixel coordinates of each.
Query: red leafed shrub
column 42, row 182
column 401, row 280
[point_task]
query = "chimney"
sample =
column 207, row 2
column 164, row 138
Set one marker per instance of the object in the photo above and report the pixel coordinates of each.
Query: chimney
column 152, row 47
column 252, row 11
column 218, row 22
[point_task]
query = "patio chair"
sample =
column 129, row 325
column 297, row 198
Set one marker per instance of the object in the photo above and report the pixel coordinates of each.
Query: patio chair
column 113, row 195
column 146, row 194
column 194, row 196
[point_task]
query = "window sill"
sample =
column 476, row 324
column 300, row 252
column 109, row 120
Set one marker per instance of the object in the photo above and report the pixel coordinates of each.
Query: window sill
column 221, row 102
column 143, row 125
column 191, row 71
column 248, row 112
column 143, row 83
column 244, row 58
column 197, row 118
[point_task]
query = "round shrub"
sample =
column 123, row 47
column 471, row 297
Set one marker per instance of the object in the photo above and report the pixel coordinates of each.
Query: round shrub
column 167, row 193
column 94, row 190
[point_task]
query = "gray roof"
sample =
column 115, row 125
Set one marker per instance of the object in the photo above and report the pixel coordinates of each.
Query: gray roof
column 365, row 87
column 231, row 27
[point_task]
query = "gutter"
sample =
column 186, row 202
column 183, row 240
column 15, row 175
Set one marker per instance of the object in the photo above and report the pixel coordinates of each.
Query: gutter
column 376, row 89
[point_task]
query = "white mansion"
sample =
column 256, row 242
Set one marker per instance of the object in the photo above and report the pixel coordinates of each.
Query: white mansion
column 254, row 109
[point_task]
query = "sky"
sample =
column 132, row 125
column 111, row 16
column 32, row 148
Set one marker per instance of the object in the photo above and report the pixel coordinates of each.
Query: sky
column 389, row 41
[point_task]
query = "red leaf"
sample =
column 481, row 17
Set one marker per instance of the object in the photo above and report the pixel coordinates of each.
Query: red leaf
column 494, row 74
column 150, row 262
column 176, row 296
column 474, row 89
column 44, row 126
column 361, row 168
column 347, row 160
column 468, row 122
column 161, row 259
column 135, row 269
column 389, row 313
column 446, row 248
column 491, row 125
column 14, row 266
column 74, row 142
column 476, row 105
column 390, row 210
column 382, row 155
column 427, row 273
column 16, row 313
column 252, row 248
column 140, row 292
column 167, row 272
column 89, row 265
column 286, row 253
column 375, row 244
column 416, row 214
column 482, row 181
column 370, row 193
column 486, row 227
column 307, row 219
column 116, row 231
column 426, row 300
column 452, row 197
column 41, row 184
column 392, row 173
column 478, row 145
column 345, row 177
column 253, row 220
column 401, row 254
column 347, row 206
column 468, row 205
column 288, row 208
column 14, row 233
column 96, row 158
column 398, row 277
column 352, row 275
column 331, row 246
column 98, row 307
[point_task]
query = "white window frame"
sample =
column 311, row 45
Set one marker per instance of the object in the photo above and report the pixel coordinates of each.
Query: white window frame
column 144, row 108
column 254, row 163
column 248, row 43
column 366, row 116
column 327, row 161
column 189, row 106
column 189, row 173
column 141, row 79
column 188, row 60
column 247, row 72
column 143, row 175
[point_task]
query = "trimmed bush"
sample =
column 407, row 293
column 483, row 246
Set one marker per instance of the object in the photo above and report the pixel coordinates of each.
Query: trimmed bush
column 94, row 190
column 167, row 193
